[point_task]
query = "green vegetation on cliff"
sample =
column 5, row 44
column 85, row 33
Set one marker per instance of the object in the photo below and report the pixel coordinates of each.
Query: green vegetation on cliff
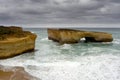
column 12, row 31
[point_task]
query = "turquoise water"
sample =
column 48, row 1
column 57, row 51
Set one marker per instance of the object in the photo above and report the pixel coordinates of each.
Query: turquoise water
column 81, row 61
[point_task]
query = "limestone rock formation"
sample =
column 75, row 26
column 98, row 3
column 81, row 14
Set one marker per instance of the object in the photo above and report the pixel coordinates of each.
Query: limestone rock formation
column 74, row 36
column 14, row 41
column 15, row 73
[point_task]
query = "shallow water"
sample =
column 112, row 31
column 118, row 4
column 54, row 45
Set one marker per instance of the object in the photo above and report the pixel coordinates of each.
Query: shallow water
column 82, row 61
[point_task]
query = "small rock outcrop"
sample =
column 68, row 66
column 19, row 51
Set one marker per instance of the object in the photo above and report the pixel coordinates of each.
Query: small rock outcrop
column 15, row 73
column 14, row 41
column 74, row 36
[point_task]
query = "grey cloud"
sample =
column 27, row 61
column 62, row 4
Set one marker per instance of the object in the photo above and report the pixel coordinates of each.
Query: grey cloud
column 5, row 17
column 59, row 11
column 116, row 1
column 39, row 1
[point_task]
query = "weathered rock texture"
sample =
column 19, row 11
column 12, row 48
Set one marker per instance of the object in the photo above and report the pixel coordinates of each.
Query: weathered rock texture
column 14, row 41
column 14, row 73
column 74, row 36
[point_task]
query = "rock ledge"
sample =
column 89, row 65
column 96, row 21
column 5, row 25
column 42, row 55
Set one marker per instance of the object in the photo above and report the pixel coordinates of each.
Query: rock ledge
column 15, row 41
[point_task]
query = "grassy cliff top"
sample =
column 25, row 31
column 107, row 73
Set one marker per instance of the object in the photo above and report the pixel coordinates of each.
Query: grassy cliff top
column 12, row 31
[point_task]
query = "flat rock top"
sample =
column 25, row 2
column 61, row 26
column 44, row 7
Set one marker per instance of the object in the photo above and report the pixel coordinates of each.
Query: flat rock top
column 8, row 33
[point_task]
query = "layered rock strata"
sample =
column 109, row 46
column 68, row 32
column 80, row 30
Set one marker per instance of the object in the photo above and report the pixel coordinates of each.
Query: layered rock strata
column 74, row 36
column 14, row 41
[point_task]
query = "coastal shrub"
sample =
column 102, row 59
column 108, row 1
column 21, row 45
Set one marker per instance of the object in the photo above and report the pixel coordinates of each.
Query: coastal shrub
column 5, row 31
column 12, row 32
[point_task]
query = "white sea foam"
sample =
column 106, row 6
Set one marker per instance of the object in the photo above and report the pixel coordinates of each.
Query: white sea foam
column 66, row 46
column 116, row 41
column 44, row 39
column 102, row 67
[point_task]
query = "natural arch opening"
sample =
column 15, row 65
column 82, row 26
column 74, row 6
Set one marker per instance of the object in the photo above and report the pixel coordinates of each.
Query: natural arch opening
column 82, row 40
column 90, row 39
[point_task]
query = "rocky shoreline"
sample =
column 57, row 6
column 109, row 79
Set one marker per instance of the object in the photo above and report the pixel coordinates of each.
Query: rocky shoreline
column 15, row 41
column 15, row 73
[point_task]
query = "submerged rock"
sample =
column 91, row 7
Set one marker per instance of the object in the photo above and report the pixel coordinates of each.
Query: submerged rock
column 74, row 36
column 14, row 41
column 15, row 73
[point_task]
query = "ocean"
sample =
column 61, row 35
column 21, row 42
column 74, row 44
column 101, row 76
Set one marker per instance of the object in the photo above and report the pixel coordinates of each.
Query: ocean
column 80, row 61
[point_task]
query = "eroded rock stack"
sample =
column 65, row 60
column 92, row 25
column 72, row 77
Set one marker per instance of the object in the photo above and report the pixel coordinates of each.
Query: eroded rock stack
column 74, row 36
column 14, row 41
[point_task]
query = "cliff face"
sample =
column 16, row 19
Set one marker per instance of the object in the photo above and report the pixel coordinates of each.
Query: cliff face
column 74, row 36
column 14, row 41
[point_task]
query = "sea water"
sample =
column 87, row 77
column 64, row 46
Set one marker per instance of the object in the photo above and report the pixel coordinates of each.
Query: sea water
column 81, row 61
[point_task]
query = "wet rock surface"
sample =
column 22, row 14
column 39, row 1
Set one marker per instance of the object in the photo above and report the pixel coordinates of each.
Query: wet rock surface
column 15, row 73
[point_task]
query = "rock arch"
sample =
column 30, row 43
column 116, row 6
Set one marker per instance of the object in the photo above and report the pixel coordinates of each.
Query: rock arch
column 74, row 36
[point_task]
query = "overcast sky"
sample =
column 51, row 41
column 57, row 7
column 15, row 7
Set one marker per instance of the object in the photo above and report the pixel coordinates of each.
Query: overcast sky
column 60, row 12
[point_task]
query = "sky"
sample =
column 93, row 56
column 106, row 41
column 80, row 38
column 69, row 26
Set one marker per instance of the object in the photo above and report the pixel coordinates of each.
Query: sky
column 60, row 13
